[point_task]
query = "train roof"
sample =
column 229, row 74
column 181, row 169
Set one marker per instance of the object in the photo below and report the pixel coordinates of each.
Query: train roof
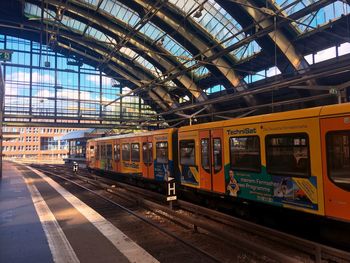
column 321, row 111
column 122, row 136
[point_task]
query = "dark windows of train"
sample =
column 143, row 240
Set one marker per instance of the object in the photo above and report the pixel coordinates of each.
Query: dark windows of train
column 162, row 152
column 103, row 151
column 98, row 152
column 245, row 154
column 205, row 155
column 338, row 158
column 126, row 152
column 187, row 153
column 109, row 151
column 217, row 154
column 115, row 152
column 135, row 152
column 117, row 156
column 92, row 151
column 288, row 154
column 147, row 152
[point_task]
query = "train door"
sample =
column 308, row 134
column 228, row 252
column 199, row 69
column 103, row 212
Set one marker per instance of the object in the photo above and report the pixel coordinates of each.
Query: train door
column 211, row 160
column 116, row 158
column 147, row 157
column 335, row 136
column 150, row 157
column 144, row 161
column 205, row 166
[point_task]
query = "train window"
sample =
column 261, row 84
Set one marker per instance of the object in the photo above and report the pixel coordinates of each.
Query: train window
column 115, row 152
column 98, row 152
column 126, row 152
column 92, row 151
column 117, row 158
column 217, row 154
column 135, row 152
column 338, row 158
column 187, row 153
column 109, row 151
column 162, row 152
column 103, row 151
column 245, row 154
column 147, row 152
column 288, row 154
column 205, row 155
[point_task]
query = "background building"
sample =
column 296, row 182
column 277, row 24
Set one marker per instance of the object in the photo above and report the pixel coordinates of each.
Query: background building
column 39, row 143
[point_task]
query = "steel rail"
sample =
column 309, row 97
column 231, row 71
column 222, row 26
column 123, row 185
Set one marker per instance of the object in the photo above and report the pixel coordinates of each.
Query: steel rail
column 142, row 218
column 316, row 250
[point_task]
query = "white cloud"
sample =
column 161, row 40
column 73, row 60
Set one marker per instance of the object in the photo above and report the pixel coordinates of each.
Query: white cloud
column 96, row 79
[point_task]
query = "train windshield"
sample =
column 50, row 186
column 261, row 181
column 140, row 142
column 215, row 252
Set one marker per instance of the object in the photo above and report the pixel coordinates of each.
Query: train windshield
column 288, row 154
column 162, row 152
column 338, row 158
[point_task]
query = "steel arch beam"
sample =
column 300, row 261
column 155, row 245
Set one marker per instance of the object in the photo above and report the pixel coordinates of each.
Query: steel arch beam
column 110, row 27
column 225, row 68
column 297, row 61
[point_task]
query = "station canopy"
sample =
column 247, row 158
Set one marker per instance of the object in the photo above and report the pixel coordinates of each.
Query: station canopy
column 188, row 60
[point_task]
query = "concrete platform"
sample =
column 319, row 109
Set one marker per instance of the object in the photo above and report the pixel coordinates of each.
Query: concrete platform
column 42, row 222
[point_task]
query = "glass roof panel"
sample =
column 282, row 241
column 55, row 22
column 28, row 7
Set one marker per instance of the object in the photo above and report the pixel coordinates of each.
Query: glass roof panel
column 322, row 16
column 220, row 24
column 100, row 36
column 33, row 11
column 90, row 2
column 73, row 24
column 130, row 17
column 293, row 6
column 120, row 11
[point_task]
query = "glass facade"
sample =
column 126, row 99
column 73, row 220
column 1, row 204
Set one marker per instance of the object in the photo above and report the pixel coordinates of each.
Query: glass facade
column 43, row 86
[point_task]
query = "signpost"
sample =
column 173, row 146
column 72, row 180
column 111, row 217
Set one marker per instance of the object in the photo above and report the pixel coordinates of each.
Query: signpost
column 171, row 191
column 75, row 167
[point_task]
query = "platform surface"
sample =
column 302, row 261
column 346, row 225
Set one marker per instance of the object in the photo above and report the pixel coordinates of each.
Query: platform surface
column 42, row 222
column 22, row 238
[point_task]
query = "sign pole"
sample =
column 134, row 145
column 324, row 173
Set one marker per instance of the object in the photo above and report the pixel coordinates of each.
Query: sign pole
column 171, row 191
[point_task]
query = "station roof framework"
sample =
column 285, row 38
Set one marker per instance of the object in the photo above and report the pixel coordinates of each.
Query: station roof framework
column 200, row 59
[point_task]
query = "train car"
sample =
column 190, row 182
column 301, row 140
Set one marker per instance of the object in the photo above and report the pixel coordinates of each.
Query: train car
column 149, row 155
column 298, row 159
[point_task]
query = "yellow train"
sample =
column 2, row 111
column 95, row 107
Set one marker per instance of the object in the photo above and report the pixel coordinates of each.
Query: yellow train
column 297, row 159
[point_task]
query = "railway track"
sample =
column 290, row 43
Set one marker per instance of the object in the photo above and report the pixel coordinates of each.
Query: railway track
column 257, row 242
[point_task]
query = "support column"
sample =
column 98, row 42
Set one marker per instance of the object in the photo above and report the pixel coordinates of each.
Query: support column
column 2, row 96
